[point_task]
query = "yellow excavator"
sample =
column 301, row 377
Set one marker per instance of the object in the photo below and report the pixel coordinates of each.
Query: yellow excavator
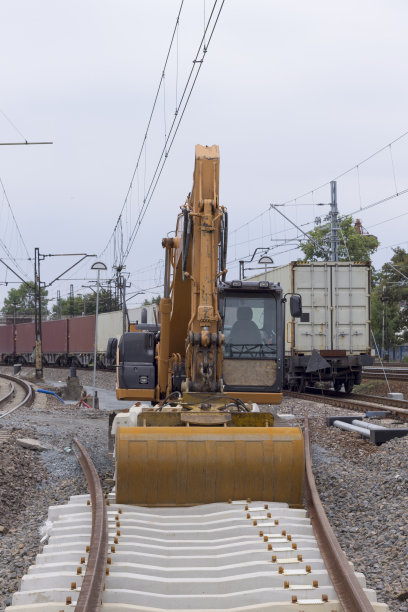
column 200, row 436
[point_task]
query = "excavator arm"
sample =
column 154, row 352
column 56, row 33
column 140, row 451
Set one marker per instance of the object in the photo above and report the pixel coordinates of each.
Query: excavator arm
column 190, row 321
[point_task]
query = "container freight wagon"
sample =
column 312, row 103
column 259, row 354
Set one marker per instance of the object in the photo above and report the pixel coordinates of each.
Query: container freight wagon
column 69, row 341
column 331, row 343
column 7, row 342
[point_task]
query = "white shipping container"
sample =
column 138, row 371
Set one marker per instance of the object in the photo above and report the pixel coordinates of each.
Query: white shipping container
column 337, row 297
column 135, row 314
column 110, row 324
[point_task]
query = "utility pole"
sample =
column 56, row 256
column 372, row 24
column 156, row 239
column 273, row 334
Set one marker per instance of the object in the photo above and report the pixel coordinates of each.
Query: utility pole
column 120, row 295
column 383, row 300
column 98, row 266
column 123, row 285
column 117, row 284
column 37, row 299
column 71, row 301
column 334, row 236
column 37, row 303
column 59, row 311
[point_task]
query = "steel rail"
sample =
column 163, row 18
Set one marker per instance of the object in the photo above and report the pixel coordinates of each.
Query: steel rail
column 26, row 386
column 387, row 367
column 345, row 582
column 378, row 399
column 9, row 394
column 363, row 397
column 348, row 402
column 90, row 596
column 380, row 376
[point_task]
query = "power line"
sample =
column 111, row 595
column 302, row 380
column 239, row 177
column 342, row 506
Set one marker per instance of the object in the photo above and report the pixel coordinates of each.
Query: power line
column 25, row 141
column 163, row 72
column 169, row 140
column 175, row 125
column 14, row 219
column 387, row 220
column 356, row 167
column 382, row 201
column 9, row 144
column 390, row 246
column 12, row 124
column 6, row 250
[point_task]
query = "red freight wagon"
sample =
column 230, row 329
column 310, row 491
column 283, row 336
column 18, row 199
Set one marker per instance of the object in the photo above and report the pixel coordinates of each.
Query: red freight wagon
column 81, row 334
column 55, row 336
column 25, row 337
column 6, row 339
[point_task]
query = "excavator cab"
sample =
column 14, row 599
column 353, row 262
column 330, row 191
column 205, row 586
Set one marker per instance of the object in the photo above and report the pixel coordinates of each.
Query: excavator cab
column 252, row 318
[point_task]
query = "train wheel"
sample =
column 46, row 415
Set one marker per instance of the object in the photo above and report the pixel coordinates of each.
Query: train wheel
column 348, row 385
column 298, row 385
column 337, row 385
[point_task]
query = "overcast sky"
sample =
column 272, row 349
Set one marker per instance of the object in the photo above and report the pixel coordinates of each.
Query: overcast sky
column 293, row 92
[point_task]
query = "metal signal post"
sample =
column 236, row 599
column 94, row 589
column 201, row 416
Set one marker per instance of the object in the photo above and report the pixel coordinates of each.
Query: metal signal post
column 334, row 236
column 37, row 305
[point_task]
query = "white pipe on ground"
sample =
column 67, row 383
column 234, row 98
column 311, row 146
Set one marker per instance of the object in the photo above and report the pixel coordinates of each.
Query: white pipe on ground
column 349, row 427
column 367, row 425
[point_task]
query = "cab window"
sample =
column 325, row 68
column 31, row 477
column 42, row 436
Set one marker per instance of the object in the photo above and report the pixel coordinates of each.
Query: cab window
column 250, row 327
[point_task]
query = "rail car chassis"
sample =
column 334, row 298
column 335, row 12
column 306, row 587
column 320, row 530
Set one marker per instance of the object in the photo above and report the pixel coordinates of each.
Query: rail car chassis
column 61, row 360
column 328, row 367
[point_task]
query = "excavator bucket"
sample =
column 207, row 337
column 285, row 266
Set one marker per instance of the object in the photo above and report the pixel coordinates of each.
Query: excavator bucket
column 182, row 466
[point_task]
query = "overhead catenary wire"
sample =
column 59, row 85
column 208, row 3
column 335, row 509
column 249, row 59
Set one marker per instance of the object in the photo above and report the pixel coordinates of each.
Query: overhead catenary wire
column 156, row 97
column 355, row 167
column 387, row 220
column 21, row 274
column 174, row 126
column 14, row 218
column 244, row 239
column 25, row 141
column 382, row 201
column 351, row 169
column 13, row 125
column 173, row 130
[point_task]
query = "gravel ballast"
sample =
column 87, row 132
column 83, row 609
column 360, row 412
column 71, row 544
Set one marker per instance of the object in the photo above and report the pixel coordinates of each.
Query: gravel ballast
column 364, row 491
column 363, row 488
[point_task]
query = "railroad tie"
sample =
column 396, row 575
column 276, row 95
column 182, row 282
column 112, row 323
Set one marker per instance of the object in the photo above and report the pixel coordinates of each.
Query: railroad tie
column 223, row 555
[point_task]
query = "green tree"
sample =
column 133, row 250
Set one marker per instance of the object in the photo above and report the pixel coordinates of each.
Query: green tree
column 352, row 245
column 390, row 297
column 21, row 301
column 155, row 300
column 86, row 304
column 385, row 318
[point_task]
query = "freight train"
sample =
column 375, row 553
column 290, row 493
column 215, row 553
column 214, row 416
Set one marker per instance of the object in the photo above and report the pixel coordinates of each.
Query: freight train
column 328, row 346
column 331, row 343
column 68, row 342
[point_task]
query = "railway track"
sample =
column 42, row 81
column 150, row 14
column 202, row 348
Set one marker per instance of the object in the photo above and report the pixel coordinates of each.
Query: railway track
column 227, row 556
column 15, row 393
column 389, row 375
column 391, row 372
column 355, row 401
